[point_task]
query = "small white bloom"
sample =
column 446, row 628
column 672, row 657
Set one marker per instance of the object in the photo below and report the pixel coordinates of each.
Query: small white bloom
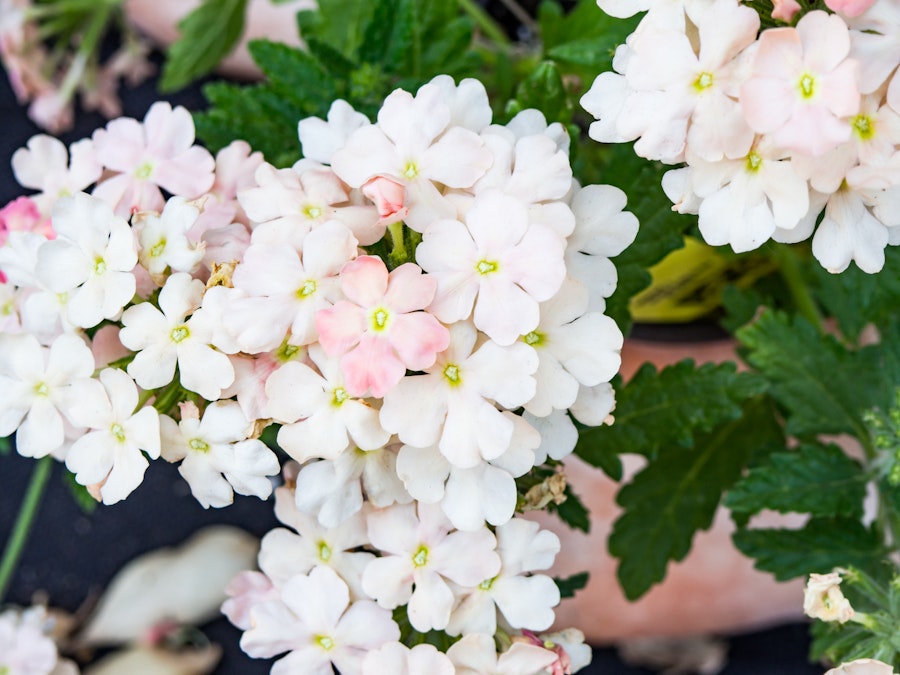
column 823, row 599
column 395, row 658
column 476, row 654
column 164, row 238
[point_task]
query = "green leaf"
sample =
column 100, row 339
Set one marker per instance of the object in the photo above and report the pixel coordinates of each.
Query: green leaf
column 207, row 35
column 841, row 643
column 572, row 511
column 816, row 479
column 678, row 493
column 824, row 386
column 569, row 585
column 6, row 445
column 338, row 23
column 655, row 411
column 80, row 494
column 544, row 90
column 820, row 546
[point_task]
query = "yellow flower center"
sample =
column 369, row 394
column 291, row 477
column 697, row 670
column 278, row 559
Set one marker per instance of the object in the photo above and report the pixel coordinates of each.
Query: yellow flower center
column 754, row 162
column 180, row 333
column 380, row 319
column 312, row 212
column 807, row 86
column 486, row 267
column 410, row 170
column 118, row 432
column 307, row 289
column 534, row 339
column 704, row 81
column 340, row 395
column 451, row 374
column 198, row 445
column 143, row 171
column 41, row 389
column 325, row 642
column 157, row 250
column 99, row 266
column 420, row 557
column 864, row 127
column 324, row 552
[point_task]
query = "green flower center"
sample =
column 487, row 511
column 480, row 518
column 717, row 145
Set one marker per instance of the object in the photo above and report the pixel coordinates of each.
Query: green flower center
column 704, row 81
column 143, row 171
column 312, row 212
column 451, row 374
column 157, row 250
column 99, row 266
column 486, row 267
column 180, row 333
column 325, row 642
column 754, row 162
column 420, row 557
column 307, row 289
column 486, row 584
column 324, row 552
column 340, row 395
column 380, row 319
column 807, row 85
column 534, row 339
column 198, row 445
column 118, row 432
column 410, row 170
column 41, row 389
column 864, row 127
column 7, row 309
column 286, row 352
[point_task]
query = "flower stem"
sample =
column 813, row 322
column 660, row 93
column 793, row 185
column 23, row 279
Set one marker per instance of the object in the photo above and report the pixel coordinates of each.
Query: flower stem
column 789, row 267
column 484, row 21
column 16, row 543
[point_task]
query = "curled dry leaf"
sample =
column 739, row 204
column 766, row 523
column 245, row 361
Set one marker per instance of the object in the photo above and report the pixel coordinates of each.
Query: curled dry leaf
column 184, row 585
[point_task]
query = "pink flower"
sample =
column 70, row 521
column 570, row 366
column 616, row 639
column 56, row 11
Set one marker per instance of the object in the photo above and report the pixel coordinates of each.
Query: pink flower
column 785, row 9
column 158, row 153
column 388, row 196
column 378, row 329
column 22, row 215
column 849, row 7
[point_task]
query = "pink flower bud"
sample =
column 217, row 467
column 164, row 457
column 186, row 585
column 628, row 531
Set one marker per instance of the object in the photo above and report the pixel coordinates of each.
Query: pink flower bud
column 388, row 196
column 785, row 9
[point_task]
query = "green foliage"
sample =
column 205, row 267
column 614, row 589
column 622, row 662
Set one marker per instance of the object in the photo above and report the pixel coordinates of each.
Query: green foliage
column 207, row 35
column 5, row 445
column 411, row 637
column 586, row 36
column 572, row 511
column 543, row 89
column 655, row 411
column 824, row 386
column 79, row 493
column 569, row 585
column 678, row 493
column 816, row 479
column 820, row 546
column 841, row 643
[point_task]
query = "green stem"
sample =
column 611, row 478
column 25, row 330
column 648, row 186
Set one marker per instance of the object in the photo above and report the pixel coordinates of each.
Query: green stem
column 484, row 21
column 789, row 266
column 398, row 254
column 27, row 512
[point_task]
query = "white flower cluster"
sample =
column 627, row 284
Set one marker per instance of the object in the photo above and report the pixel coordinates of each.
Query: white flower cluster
column 418, row 304
column 27, row 646
column 775, row 127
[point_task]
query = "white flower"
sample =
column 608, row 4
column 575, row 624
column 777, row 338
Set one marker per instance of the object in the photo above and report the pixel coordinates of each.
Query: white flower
column 452, row 404
column 503, row 271
column 329, row 419
column 421, row 555
column 318, row 625
column 321, row 139
column 849, row 231
column 164, row 240
column 862, row 667
column 216, row 456
column 91, row 260
column 25, row 648
column 111, row 453
column 166, row 338
column 395, row 658
column 34, row 383
column 525, row 600
column 823, row 599
column 45, row 165
column 476, row 654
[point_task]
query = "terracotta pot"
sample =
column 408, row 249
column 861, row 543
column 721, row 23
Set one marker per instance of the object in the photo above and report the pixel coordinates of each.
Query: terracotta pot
column 714, row 590
column 158, row 19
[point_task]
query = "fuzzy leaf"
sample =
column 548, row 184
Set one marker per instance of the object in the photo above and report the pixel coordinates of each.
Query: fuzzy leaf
column 816, row 479
column 207, row 35
column 678, row 493
column 660, row 410
column 824, row 386
column 569, row 585
column 820, row 546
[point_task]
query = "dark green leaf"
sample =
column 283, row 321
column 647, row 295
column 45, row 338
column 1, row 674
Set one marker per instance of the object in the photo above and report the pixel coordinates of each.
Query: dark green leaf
column 544, row 90
column 824, row 386
column 572, row 511
column 658, row 410
column 80, row 494
column 6, row 445
column 816, row 479
column 207, row 35
column 377, row 34
column 841, row 643
column 568, row 585
column 678, row 493
column 820, row 546
column 339, row 23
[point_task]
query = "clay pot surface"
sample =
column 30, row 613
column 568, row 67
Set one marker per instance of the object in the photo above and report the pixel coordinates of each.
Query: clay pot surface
column 714, row 590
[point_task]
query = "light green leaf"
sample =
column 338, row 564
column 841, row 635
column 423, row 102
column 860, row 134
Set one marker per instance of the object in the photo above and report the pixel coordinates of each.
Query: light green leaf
column 820, row 546
column 678, row 493
column 207, row 35
column 817, row 479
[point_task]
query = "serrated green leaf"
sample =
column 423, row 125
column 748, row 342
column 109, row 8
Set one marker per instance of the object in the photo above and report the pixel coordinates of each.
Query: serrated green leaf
column 841, row 643
column 569, row 585
column 817, row 479
column 572, row 511
column 339, row 23
column 824, row 386
column 295, row 74
column 79, row 493
column 207, row 35
column 820, row 546
column 544, row 90
column 665, row 409
column 377, row 34
column 856, row 298
column 678, row 493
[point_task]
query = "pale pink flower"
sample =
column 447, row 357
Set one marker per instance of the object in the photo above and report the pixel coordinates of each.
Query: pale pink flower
column 164, row 239
column 245, row 591
column 875, row 42
column 504, row 272
column 785, row 10
column 802, row 84
column 862, row 667
column 22, row 215
column 850, row 232
column 25, row 649
column 388, row 196
column 46, row 166
column 320, row 139
column 144, row 157
column 476, row 654
column 379, row 331
column 823, row 599
column 849, row 8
